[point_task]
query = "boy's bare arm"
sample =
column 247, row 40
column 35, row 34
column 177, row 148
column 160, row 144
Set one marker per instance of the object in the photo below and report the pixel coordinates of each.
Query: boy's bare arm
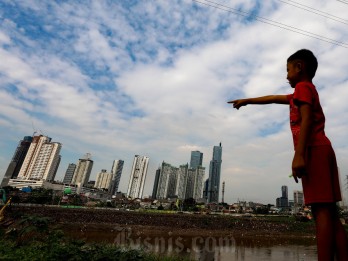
column 279, row 99
column 298, row 163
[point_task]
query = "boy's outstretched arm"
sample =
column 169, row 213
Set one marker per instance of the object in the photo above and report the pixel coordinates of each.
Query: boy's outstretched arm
column 279, row 99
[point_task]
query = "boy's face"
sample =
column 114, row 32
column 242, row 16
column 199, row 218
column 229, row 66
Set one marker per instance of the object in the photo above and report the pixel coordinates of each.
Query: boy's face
column 294, row 71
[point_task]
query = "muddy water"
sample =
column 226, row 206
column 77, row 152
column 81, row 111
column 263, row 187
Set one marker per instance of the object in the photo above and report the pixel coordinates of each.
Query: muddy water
column 203, row 245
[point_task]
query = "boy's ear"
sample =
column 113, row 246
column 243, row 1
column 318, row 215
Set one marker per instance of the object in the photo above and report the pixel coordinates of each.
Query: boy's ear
column 299, row 66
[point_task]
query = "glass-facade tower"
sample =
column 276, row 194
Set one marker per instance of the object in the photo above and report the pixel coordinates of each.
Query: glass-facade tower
column 214, row 174
column 196, row 159
column 17, row 160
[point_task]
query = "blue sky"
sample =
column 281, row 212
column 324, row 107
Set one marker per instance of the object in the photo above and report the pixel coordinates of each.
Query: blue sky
column 119, row 78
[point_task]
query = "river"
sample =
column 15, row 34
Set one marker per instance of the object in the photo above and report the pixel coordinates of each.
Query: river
column 206, row 247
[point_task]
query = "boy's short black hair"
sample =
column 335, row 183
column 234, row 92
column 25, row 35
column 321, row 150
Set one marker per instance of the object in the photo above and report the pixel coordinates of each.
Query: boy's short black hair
column 308, row 58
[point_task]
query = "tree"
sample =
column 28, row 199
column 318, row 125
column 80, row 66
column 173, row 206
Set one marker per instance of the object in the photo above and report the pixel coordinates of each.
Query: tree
column 41, row 196
column 189, row 204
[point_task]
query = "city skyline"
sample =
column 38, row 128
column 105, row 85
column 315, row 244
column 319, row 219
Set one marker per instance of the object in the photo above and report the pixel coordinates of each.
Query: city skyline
column 120, row 78
column 110, row 180
column 181, row 182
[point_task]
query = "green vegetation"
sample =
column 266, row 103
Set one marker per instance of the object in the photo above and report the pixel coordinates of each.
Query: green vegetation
column 31, row 238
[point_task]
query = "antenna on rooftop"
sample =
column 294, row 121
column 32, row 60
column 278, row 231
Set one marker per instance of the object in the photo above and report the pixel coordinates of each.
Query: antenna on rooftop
column 223, row 191
column 34, row 130
column 88, row 156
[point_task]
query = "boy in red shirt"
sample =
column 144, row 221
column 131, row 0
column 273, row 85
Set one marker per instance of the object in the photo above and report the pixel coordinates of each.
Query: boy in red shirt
column 314, row 159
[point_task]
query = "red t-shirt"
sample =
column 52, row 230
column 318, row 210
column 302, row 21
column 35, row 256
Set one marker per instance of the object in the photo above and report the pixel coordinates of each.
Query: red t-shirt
column 306, row 92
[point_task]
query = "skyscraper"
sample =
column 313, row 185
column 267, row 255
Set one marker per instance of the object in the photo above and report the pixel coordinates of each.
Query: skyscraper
column 103, row 180
column 284, row 191
column 138, row 176
column 116, row 172
column 41, row 161
column 194, row 183
column 198, row 182
column 172, row 182
column 17, row 160
column 190, row 183
column 69, row 173
column 298, row 198
column 283, row 201
column 214, row 174
column 196, row 159
column 205, row 189
column 155, row 184
column 83, row 171
column 182, row 182
column 166, row 181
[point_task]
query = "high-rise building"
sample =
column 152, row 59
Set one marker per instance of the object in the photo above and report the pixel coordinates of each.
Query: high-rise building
column 345, row 191
column 283, row 201
column 198, row 182
column 166, row 181
column 284, row 191
column 17, row 160
column 196, row 159
column 214, row 174
column 103, row 180
column 116, row 172
column 194, row 183
column 205, row 189
column 190, row 183
column 172, row 182
column 155, row 184
column 138, row 176
column 182, row 181
column 83, row 171
column 41, row 161
column 298, row 198
column 69, row 173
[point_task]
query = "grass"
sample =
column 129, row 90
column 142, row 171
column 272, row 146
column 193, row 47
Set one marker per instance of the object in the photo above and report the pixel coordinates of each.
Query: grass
column 31, row 238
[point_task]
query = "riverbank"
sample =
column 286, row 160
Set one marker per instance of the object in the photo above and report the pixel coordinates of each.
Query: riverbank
column 170, row 236
column 110, row 220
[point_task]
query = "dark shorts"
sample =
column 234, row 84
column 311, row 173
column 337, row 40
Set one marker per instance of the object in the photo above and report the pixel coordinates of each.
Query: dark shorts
column 321, row 183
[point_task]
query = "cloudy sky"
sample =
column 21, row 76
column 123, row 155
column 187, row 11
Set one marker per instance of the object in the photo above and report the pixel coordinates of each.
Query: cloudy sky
column 119, row 78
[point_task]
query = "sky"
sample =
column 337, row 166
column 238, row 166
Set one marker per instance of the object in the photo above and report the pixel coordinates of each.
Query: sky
column 122, row 78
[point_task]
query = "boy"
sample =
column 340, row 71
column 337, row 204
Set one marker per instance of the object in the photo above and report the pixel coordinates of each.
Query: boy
column 314, row 159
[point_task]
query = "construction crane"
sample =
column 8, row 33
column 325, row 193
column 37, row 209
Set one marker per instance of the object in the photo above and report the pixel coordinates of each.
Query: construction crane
column 2, row 210
column 3, row 195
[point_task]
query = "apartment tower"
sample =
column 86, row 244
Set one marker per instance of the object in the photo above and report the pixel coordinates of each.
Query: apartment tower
column 116, row 171
column 138, row 176
column 41, row 161
column 83, row 171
